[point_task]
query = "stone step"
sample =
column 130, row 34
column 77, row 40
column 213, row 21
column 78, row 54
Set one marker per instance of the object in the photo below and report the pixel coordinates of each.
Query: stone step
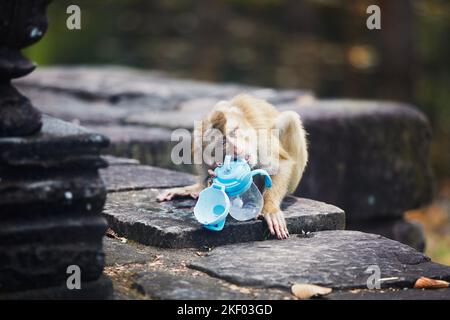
column 137, row 215
column 336, row 259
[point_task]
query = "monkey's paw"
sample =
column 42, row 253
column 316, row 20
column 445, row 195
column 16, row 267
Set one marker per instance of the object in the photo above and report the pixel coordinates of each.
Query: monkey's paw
column 171, row 194
column 277, row 224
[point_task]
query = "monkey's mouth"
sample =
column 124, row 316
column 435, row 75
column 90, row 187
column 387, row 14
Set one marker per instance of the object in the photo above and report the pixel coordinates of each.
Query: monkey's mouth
column 246, row 157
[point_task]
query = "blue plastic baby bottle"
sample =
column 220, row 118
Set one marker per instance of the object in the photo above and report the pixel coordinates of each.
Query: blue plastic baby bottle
column 233, row 192
column 246, row 200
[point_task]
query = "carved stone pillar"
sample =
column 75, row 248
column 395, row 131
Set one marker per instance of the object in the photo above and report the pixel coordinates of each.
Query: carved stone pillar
column 51, row 194
column 22, row 23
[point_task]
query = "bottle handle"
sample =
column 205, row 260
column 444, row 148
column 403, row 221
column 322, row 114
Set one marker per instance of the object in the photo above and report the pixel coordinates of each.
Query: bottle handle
column 268, row 180
column 218, row 186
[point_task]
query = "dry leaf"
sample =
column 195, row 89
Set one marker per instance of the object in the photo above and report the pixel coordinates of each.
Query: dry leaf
column 427, row 283
column 111, row 234
column 306, row 291
column 355, row 291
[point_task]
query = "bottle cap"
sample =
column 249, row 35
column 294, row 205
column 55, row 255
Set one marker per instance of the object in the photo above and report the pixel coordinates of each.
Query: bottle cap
column 234, row 176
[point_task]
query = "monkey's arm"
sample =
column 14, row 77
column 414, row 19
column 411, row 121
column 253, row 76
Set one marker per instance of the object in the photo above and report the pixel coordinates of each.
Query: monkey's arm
column 273, row 198
column 188, row 191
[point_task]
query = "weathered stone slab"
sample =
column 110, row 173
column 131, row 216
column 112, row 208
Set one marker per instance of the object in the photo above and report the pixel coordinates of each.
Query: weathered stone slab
column 76, row 146
column 162, row 285
column 336, row 259
column 137, row 216
column 132, row 177
column 31, row 266
column 118, row 253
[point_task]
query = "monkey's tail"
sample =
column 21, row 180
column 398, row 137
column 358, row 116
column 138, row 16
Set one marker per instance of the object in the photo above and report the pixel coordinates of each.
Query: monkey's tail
column 293, row 140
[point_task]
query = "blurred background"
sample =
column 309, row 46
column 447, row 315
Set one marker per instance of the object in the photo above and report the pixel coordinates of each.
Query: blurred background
column 320, row 45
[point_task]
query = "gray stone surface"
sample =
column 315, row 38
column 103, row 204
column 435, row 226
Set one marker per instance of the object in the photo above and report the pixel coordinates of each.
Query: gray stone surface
column 132, row 177
column 336, row 259
column 163, row 285
column 137, row 216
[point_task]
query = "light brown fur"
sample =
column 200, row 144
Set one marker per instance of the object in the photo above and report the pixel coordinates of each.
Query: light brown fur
column 285, row 155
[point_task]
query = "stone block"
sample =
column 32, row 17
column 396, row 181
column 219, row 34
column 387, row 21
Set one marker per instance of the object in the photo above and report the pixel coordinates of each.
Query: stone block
column 137, row 216
column 336, row 259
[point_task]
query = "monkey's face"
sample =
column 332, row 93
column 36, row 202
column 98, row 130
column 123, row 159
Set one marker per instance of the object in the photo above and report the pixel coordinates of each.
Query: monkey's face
column 240, row 139
column 233, row 135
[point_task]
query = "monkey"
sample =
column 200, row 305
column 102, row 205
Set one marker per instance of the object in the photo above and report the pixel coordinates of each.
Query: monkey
column 280, row 148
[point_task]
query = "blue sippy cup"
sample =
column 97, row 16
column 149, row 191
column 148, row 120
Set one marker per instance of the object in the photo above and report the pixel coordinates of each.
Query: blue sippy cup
column 232, row 192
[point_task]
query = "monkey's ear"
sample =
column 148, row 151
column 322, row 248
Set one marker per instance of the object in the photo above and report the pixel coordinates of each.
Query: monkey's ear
column 218, row 120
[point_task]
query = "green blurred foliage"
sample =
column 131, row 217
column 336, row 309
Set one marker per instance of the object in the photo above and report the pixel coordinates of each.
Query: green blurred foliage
column 322, row 45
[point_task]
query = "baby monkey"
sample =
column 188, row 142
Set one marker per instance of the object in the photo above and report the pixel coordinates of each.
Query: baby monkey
column 254, row 130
